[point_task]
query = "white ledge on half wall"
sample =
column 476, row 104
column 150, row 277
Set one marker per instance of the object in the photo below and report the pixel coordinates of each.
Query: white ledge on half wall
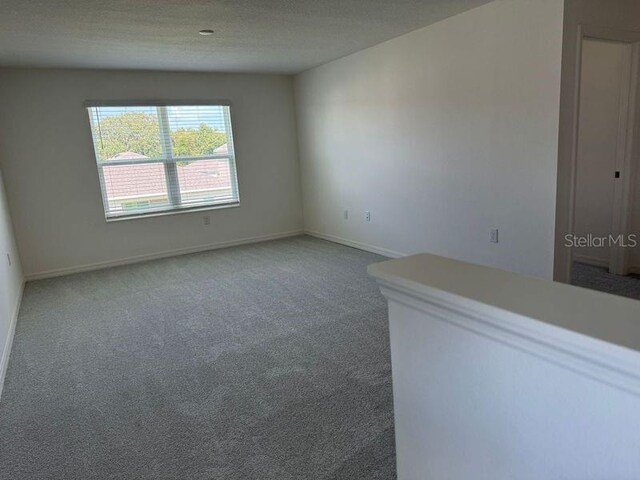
column 497, row 375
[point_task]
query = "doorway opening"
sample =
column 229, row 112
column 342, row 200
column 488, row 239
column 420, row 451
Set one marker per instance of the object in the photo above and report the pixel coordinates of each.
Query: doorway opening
column 605, row 240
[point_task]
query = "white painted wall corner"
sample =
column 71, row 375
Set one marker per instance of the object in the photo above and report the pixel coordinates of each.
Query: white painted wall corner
column 6, row 352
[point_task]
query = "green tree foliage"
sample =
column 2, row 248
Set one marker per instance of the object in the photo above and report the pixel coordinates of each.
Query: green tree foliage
column 192, row 142
column 139, row 132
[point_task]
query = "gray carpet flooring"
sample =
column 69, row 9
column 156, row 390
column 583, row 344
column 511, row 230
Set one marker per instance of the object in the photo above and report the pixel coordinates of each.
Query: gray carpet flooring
column 267, row 361
column 599, row 278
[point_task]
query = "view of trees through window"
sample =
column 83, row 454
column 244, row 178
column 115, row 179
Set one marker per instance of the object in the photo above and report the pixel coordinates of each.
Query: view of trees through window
column 160, row 158
column 139, row 132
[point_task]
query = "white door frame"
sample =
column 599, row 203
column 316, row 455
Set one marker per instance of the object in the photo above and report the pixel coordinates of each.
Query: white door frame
column 624, row 188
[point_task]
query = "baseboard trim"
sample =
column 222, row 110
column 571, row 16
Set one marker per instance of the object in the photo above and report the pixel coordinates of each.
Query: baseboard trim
column 359, row 245
column 4, row 361
column 598, row 262
column 58, row 272
column 589, row 260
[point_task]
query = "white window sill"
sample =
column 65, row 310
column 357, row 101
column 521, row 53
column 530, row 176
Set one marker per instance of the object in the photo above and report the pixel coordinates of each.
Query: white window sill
column 176, row 211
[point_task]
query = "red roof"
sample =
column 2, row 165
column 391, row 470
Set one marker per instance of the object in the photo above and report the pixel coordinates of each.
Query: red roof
column 148, row 179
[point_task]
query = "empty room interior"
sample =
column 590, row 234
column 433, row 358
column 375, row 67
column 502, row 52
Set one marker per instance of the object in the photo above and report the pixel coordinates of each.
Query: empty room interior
column 320, row 240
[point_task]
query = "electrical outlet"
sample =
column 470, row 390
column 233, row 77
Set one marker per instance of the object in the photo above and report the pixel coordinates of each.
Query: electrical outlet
column 345, row 214
column 493, row 235
column 367, row 216
column 207, row 220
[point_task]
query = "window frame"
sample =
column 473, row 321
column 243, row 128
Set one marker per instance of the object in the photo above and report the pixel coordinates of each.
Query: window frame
column 168, row 161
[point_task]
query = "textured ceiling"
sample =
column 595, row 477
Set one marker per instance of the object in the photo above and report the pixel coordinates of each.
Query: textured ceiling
column 284, row 36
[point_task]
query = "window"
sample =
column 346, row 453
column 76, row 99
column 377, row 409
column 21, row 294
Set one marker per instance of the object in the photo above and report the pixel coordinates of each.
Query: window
column 155, row 159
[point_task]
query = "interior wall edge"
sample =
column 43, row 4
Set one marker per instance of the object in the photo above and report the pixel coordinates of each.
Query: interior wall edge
column 6, row 352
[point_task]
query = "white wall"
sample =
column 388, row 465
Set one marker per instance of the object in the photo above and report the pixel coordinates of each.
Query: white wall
column 52, row 182
column 443, row 134
column 534, row 380
column 604, row 65
column 11, row 282
column 506, row 413
column 623, row 15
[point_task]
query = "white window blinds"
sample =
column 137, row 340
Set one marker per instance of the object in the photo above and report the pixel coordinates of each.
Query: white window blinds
column 163, row 158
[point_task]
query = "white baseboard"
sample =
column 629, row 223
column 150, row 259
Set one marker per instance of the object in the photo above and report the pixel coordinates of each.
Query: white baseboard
column 359, row 245
column 154, row 256
column 599, row 262
column 4, row 360
column 590, row 260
